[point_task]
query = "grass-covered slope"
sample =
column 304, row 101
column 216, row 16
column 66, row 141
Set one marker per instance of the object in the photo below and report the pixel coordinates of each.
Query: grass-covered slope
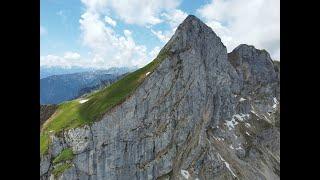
column 72, row 114
column 59, row 169
column 64, row 155
column 45, row 112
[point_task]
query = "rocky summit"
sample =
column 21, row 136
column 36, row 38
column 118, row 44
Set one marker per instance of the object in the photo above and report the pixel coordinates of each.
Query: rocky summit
column 200, row 114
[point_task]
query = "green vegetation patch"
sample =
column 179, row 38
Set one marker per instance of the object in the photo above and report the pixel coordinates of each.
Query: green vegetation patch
column 59, row 169
column 66, row 154
column 72, row 114
column 104, row 100
column 44, row 143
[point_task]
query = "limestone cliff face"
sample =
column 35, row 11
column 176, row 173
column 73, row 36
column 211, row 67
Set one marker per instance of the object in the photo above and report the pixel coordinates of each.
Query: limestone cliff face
column 202, row 114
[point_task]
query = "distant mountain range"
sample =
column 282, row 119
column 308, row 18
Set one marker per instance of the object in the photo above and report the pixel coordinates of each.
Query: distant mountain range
column 58, row 88
column 50, row 71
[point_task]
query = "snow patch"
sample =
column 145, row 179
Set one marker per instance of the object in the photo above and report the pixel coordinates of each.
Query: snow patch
column 267, row 119
column 242, row 99
column 83, row 101
column 185, row 174
column 247, row 125
column 241, row 117
column 231, row 123
column 247, row 133
column 218, row 139
column 275, row 103
column 228, row 166
column 147, row 73
column 253, row 112
column 231, row 147
column 220, row 157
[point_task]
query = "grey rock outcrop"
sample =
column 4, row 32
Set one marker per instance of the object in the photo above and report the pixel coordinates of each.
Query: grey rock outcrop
column 202, row 114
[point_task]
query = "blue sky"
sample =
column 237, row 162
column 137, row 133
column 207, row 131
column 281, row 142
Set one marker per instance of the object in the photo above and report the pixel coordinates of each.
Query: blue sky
column 109, row 33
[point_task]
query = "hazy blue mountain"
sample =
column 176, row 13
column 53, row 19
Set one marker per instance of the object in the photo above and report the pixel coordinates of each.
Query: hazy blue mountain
column 50, row 71
column 58, row 88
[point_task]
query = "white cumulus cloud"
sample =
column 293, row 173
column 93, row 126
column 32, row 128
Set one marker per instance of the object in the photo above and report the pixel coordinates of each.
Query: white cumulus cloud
column 127, row 33
column 141, row 12
column 109, row 48
column 110, row 21
column 162, row 36
column 254, row 22
column 72, row 55
column 173, row 18
column 154, row 52
column 69, row 59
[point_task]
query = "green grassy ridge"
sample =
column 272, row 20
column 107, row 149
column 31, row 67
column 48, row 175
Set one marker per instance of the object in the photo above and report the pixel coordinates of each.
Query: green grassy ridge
column 64, row 155
column 72, row 114
column 59, row 169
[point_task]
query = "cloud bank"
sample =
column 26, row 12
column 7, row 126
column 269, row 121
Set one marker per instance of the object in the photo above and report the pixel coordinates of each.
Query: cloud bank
column 254, row 22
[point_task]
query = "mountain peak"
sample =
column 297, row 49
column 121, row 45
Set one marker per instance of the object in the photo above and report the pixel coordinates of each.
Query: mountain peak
column 249, row 48
column 193, row 23
column 195, row 34
column 192, row 18
column 254, row 66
